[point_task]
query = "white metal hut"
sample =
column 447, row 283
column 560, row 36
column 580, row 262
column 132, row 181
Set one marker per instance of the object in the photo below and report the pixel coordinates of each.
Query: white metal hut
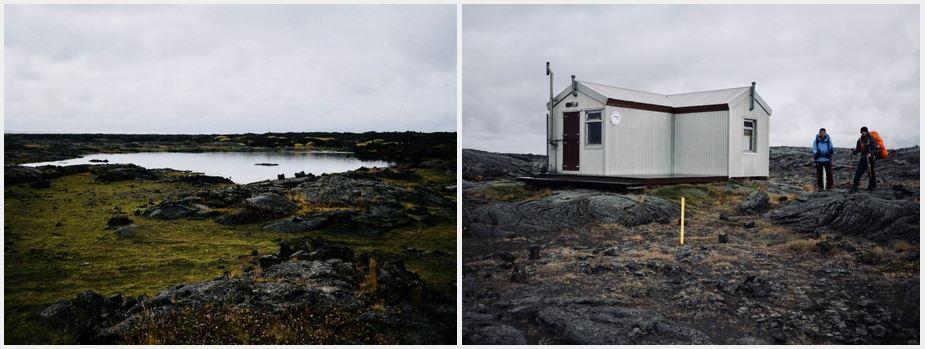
column 601, row 130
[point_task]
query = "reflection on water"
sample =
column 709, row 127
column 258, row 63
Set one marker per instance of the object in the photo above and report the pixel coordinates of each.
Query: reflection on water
column 238, row 166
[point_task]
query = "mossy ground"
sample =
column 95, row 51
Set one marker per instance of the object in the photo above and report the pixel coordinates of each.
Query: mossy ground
column 57, row 246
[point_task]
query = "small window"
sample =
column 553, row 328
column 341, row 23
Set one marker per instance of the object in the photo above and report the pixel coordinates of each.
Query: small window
column 593, row 127
column 750, row 139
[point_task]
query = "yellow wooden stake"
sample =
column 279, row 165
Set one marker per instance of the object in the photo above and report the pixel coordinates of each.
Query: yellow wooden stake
column 682, row 220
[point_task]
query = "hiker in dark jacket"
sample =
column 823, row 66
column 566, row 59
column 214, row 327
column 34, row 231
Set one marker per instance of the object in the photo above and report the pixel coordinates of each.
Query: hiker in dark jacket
column 823, row 155
column 867, row 146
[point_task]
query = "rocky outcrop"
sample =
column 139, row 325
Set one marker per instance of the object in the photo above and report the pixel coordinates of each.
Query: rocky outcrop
column 20, row 174
column 203, row 180
column 756, row 202
column 126, row 172
column 307, row 277
column 880, row 218
column 303, row 224
column 566, row 210
column 343, row 190
column 484, row 329
column 87, row 314
column 271, row 203
column 590, row 324
column 226, row 196
column 128, row 232
column 38, row 177
column 185, row 208
column 483, row 165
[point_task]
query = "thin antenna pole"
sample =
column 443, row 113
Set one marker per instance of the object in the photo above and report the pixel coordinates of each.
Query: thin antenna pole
column 549, row 118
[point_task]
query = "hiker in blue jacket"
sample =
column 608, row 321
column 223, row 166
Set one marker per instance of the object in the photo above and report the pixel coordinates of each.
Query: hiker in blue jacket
column 823, row 155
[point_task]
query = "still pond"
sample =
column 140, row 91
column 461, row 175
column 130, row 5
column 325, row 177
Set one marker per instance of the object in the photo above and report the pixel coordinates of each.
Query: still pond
column 240, row 167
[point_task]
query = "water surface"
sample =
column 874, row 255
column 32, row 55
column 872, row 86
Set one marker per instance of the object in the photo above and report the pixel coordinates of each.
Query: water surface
column 238, row 166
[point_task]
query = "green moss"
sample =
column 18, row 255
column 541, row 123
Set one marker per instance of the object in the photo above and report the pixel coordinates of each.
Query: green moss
column 699, row 197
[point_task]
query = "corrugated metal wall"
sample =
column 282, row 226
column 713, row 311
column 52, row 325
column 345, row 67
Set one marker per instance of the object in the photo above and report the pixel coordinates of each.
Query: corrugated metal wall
column 700, row 143
column 640, row 144
column 741, row 163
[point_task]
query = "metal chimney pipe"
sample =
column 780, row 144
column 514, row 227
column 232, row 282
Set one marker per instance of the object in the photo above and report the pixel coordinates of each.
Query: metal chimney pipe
column 574, row 87
column 751, row 106
column 549, row 117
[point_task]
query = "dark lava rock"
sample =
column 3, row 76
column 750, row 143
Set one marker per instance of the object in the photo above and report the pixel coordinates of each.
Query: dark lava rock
column 115, row 173
column 567, row 210
column 203, row 180
column 423, row 196
column 484, row 329
column 394, row 282
column 335, row 275
column 756, row 287
column 118, row 221
column 593, row 324
column 376, row 220
column 878, row 218
column 299, row 224
column 267, row 261
column 85, row 315
column 20, row 174
column 226, row 196
column 128, row 231
column 38, row 177
column 271, row 203
column 482, row 165
column 403, row 174
column 339, row 189
column 756, row 202
column 178, row 209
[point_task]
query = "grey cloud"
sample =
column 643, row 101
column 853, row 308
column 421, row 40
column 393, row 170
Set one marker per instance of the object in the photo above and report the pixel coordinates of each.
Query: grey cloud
column 833, row 66
column 229, row 68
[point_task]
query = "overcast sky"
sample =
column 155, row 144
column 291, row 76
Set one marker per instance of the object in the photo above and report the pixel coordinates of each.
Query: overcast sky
column 838, row 67
column 229, row 69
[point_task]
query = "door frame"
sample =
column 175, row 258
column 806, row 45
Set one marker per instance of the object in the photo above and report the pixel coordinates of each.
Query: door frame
column 576, row 138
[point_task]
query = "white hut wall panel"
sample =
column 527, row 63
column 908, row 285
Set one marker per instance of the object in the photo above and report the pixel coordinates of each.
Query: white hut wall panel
column 700, row 143
column 590, row 160
column 640, row 144
column 742, row 162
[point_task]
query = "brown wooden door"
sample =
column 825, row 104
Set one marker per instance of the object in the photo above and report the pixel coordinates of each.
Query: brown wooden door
column 571, row 141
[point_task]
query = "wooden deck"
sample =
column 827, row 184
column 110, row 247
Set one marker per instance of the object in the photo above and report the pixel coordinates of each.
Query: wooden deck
column 619, row 183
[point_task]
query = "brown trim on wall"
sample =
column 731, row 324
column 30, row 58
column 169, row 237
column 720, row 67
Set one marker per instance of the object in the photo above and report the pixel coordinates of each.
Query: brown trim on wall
column 666, row 109
column 636, row 105
column 701, row 108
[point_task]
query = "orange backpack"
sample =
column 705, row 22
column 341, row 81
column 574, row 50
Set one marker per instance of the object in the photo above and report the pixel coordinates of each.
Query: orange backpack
column 883, row 152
